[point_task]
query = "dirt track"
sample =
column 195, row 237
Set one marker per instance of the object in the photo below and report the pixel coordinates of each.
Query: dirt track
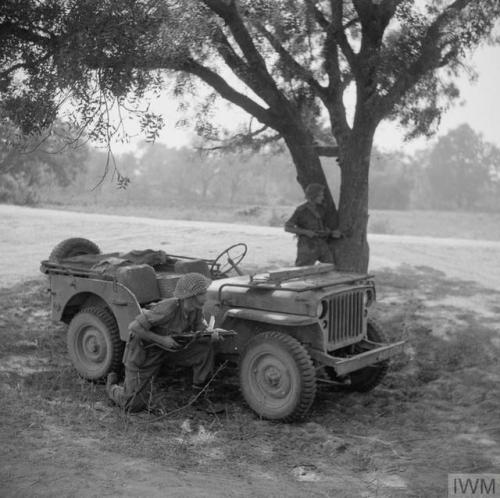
column 28, row 236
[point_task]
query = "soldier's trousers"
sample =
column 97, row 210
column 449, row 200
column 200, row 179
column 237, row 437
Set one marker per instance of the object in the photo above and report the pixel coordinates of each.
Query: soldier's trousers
column 311, row 250
column 135, row 393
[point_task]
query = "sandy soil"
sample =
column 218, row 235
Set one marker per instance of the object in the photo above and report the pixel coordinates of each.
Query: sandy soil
column 76, row 466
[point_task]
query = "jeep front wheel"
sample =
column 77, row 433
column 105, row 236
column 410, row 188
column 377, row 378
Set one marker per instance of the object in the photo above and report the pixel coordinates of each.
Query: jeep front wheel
column 368, row 378
column 277, row 377
column 94, row 343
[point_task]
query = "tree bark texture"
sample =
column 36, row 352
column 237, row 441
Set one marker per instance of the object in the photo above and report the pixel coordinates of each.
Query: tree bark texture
column 352, row 252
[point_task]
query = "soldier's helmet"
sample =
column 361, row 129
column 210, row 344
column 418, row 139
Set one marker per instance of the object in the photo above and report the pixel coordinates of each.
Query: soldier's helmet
column 191, row 284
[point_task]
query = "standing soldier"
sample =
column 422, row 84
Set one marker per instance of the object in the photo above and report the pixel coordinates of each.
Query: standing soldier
column 308, row 223
column 146, row 351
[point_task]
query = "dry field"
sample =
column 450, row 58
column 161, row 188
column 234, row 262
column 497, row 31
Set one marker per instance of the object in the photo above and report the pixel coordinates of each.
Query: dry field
column 434, row 414
column 448, row 224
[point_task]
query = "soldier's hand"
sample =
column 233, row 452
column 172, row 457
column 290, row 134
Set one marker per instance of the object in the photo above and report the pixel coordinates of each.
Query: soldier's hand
column 170, row 343
column 336, row 234
column 310, row 233
column 216, row 335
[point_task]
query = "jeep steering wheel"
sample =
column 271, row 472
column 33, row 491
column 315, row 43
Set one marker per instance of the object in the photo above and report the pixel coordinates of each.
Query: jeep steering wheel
column 230, row 258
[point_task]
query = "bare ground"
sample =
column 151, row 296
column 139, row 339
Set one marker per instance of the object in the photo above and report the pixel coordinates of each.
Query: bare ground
column 434, row 414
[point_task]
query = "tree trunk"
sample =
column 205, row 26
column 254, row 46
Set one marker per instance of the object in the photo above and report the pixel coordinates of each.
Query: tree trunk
column 352, row 253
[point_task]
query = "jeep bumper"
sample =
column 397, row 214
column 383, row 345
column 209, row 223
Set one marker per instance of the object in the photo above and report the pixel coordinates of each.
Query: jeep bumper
column 373, row 353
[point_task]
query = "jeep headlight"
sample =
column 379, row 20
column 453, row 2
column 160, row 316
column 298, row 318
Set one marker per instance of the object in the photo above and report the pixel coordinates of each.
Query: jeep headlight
column 322, row 309
column 368, row 297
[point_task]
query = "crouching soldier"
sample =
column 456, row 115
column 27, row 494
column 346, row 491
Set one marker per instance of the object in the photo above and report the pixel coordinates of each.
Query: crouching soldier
column 146, row 351
column 308, row 223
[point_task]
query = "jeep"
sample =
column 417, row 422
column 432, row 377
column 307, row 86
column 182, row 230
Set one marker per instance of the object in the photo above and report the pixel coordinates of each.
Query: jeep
column 293, row 327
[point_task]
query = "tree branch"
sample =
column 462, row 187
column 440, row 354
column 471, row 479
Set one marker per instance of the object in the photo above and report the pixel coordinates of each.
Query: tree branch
column 220, row 85
column 294, row 67
column 334, row 100
column 20, row 65
column 239, row 67
column 10, row 69
column 228, row 11
column 244, row 139
column 318, row 15
column 374, row 18
column 337, row 32
column 29, row 35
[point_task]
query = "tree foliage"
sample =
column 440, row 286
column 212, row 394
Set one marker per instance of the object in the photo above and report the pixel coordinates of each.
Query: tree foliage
column 290, row 64
column 39, row 160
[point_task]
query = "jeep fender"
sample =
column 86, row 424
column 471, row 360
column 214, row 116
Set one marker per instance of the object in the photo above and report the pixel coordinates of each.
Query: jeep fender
column 248, row 322
column 281, row 319
column 70, row 294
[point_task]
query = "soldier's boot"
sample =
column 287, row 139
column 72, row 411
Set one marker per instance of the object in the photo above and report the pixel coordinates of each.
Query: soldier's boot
column 111, row 380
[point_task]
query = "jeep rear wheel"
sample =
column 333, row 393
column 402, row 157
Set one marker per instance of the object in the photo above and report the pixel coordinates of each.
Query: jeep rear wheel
column 277, row 377
column 368, row 378
column 94, row 343
column 73, row 247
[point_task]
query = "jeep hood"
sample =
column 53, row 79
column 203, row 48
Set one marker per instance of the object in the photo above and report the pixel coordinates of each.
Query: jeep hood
column 297, row 295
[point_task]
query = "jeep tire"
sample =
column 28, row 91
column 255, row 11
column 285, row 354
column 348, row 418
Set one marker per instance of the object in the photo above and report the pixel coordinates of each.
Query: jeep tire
column 277, row 377
column 368, row 378
column 73, row 247
column 94, row 343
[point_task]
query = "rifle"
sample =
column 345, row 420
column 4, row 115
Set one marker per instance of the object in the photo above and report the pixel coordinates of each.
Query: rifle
column 327, row 234
column 192, row 336
column 187, row 338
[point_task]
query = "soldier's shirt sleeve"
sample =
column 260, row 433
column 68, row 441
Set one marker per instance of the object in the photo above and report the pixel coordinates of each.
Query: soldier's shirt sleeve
column 158, row 314
column 140, row 322
column 294, row 220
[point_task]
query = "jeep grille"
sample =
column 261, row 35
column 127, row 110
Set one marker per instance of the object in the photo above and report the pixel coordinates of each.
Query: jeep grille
column 345, row 318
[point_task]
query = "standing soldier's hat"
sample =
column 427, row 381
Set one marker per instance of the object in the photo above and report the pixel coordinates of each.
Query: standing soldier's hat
column 313, row 189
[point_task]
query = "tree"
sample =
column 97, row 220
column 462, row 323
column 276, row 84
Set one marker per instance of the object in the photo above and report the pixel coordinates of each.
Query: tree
column 288, row 63
column 460, row 169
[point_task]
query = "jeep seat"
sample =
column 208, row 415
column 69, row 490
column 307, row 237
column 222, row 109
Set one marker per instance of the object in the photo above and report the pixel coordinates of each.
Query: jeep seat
column 141, row 281
column 192, row 266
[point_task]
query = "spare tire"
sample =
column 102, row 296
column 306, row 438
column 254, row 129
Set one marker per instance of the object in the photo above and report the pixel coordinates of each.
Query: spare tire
column 73, row 247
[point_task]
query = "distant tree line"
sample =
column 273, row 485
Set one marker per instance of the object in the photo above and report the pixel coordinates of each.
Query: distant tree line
column 461, row 171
